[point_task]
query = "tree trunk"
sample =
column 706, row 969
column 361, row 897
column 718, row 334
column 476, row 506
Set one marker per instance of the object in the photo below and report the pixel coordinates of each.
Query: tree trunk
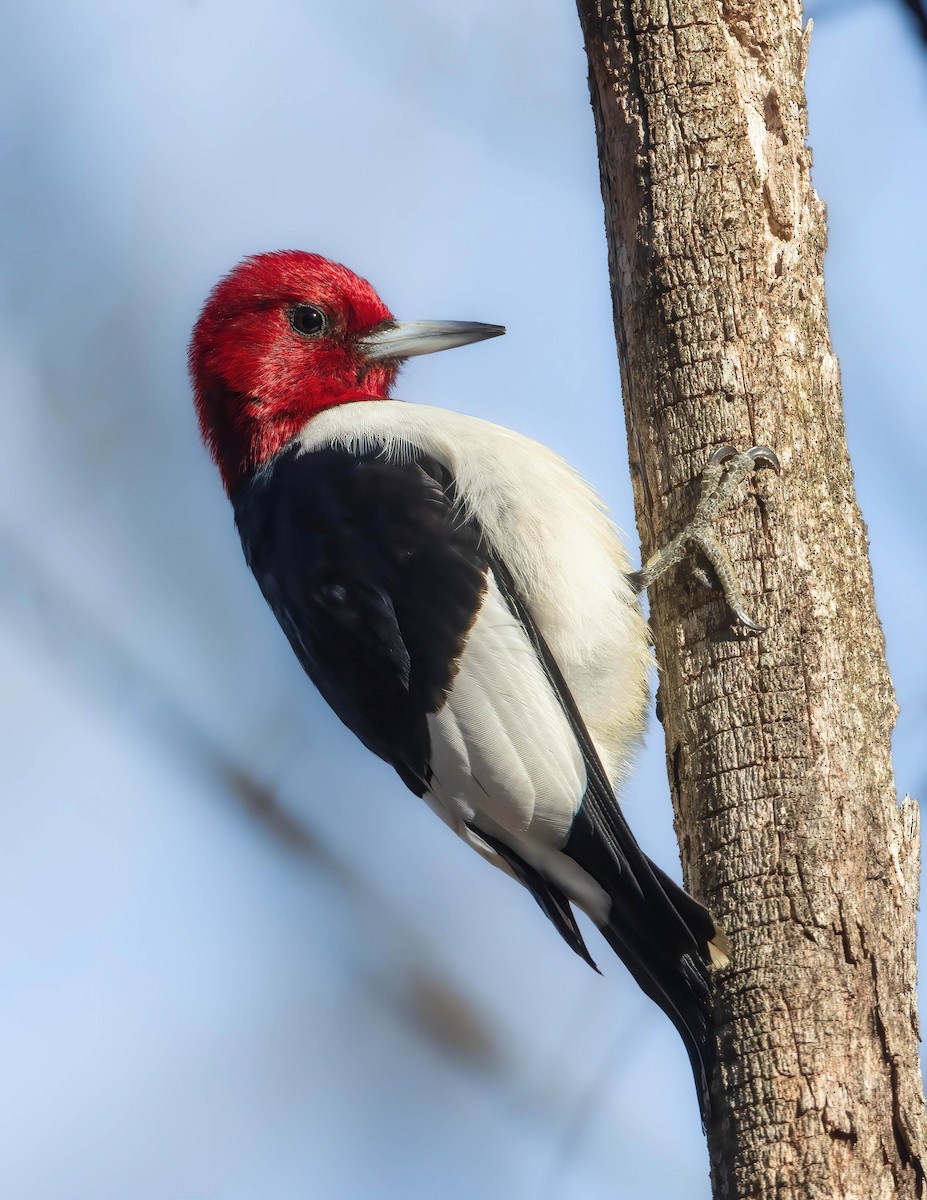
column 778, row 745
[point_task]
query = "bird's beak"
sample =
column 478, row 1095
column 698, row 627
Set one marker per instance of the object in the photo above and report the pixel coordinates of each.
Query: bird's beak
column 405, row 339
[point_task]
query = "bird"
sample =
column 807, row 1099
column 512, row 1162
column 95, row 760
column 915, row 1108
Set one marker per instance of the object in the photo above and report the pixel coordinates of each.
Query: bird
column 460, row 598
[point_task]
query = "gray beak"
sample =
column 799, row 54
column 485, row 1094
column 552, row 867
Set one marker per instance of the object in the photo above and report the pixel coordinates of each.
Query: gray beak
column 405, row 339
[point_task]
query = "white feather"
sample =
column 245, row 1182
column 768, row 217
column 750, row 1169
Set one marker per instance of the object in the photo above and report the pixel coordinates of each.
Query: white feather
column 551, row 531
column 503, row 754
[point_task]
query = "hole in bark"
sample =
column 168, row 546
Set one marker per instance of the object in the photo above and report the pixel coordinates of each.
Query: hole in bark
column 772, row 115
column 764, row 518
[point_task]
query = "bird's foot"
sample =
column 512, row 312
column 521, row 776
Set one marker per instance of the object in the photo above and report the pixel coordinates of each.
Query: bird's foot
column 725, row 469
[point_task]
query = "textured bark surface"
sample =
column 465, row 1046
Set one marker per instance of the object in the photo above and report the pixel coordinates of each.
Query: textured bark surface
column 778, row 745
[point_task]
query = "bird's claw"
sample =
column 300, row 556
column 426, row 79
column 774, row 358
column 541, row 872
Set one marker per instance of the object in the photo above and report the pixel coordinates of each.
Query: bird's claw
column 702, row 576
column 764, row 457
column 721, row 456
column 744, row 617
column 725, row 468
column 760, row 456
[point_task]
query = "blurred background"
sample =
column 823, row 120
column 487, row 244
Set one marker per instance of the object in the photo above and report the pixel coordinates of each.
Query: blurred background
column 237, row 959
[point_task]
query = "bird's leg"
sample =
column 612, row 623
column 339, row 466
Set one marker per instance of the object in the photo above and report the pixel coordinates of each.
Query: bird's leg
column 723, row 472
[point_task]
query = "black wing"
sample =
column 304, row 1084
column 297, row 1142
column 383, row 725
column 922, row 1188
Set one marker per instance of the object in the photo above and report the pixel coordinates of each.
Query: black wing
column 375, row 581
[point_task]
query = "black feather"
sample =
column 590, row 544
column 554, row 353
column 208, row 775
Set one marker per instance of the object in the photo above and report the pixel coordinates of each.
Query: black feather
column 552, row 901
column 659, row 931
column 374, row 580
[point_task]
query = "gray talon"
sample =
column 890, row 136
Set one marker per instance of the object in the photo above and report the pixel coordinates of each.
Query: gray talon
column 704, row 578
column 764, row 457
column 725, row 468
column 722, row 455
column 745, row 618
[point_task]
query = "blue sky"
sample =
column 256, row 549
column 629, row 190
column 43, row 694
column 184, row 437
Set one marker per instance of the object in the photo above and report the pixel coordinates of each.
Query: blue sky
column 203, row 1003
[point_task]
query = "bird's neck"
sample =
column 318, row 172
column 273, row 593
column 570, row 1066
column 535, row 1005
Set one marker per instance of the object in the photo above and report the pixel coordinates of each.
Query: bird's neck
column 245, row 433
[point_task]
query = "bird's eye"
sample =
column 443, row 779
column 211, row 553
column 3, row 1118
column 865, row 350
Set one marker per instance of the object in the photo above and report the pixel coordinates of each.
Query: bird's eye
column 307, row 319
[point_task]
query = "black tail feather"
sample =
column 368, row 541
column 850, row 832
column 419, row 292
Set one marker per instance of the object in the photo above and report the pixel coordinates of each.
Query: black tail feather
column 696, row 915
column 552, row 901
column 682, row 988
column 664, row 936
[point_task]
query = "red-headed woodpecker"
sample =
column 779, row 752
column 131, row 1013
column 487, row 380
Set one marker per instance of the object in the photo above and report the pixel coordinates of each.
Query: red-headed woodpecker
column 459, row 597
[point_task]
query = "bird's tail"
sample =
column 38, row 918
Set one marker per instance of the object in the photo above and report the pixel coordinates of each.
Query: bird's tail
column 698, row 918
column 665, row 937
column 675, row 976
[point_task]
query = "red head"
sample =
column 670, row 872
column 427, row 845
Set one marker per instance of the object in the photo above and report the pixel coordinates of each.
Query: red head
column 286, row 335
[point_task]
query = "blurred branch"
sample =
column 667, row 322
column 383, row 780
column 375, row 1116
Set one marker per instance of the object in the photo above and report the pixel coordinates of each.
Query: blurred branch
column 825, row 9
column 919, row 13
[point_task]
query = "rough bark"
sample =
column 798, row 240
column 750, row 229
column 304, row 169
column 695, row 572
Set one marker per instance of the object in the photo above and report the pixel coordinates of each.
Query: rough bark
column 778, row 745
